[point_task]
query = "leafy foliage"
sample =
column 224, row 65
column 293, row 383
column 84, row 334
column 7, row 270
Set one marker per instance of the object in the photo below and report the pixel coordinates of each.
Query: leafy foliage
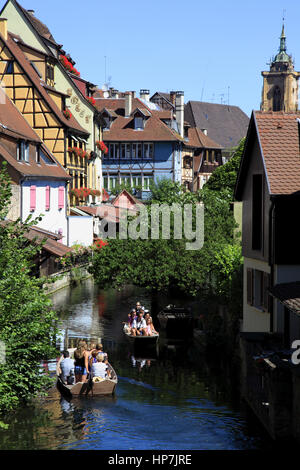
column 163, row 264
column 224, row 177
column 27, row 322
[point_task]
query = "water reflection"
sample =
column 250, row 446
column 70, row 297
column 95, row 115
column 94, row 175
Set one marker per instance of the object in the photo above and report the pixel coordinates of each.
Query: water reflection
column 170, row 398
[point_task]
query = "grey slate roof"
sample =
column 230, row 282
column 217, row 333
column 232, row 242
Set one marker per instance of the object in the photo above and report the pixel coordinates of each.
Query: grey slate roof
column 225, row 124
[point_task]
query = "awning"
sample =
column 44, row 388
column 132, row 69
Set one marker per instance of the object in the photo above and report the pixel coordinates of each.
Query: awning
column 288, row 294
column 82, row 140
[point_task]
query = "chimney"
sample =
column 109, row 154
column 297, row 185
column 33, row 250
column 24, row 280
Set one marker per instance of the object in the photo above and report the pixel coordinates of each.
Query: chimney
column 31, row 12
column 145, row 95
column 3, row 27
column 133, row 94
column 180, row 111
column 115, row 93
column 128, row 103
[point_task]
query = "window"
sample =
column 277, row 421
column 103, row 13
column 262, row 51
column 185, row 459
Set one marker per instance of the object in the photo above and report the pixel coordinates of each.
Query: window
column 258, row 283
column 147, row 181
column 113, row 181
column 136, row 151
column 136, row 181
column 277, row 99
column 257, row 212
column 128, row 151
column 113, row 151
column 138, row 123
column 123, row 151
column 107, row 121
column 23, row 151
column 148, row 151
column 105, row 182
column 49, row 72
column 9, row 67
column 125, row 179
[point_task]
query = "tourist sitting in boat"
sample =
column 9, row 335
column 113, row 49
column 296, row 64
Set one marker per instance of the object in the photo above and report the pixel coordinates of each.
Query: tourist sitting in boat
column 146, row 315
column 139, row 307
column 98, row 349
column 139, row 325
column 150, row 330
column 67, row 368
column 99, row 368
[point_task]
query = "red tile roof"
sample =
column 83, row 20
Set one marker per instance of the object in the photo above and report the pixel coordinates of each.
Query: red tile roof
column 278, row 135
column 197, row 138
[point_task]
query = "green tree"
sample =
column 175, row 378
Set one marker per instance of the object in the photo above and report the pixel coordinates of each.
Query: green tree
column 27, row 321
column 224, row 177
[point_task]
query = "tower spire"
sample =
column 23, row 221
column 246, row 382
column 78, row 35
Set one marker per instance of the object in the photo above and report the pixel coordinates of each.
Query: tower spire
column 282, row 39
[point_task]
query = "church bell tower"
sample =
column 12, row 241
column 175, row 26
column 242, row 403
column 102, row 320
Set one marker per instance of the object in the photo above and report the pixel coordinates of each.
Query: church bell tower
column 280, row 85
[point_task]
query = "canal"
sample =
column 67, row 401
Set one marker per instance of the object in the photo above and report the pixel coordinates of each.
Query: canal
column 168, row 399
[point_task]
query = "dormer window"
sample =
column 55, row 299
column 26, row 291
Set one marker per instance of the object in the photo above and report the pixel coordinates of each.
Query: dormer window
column 107, row 121
column 138, row 123
column 23, row 151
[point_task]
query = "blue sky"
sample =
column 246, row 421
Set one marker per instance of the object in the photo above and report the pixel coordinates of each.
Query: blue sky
column 211, row 50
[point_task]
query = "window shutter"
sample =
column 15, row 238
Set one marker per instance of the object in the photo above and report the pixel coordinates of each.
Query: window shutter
column 250, row 286
column 47, row 198
column 61, row 197
column 32, row 198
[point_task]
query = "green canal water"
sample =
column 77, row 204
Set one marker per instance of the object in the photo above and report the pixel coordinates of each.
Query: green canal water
column 172, row 398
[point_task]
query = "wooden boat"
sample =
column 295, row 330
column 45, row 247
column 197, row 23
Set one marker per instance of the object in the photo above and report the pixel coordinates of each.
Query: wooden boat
column 89, row 388
column 141, row 340
column 176, row 320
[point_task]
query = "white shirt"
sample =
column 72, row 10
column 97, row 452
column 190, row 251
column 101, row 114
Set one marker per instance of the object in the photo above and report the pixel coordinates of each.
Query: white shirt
column 139, row 323
column 99, row 369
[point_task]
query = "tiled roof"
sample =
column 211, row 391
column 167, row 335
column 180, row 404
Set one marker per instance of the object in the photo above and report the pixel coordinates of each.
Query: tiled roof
column 33, row 76
column 197, row 138
column 225, row 124
column 155, row 130
column 50, row 244
column 13, row 123
column 288, row 294
column 279, row 140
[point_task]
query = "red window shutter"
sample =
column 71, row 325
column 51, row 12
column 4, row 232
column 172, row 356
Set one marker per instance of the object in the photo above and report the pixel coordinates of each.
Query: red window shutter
column 250, row 286
column 32, row 198
column 61, row 197
column 47, row 198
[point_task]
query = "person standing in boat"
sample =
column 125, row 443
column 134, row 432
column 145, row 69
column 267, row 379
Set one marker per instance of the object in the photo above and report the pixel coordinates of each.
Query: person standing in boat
column 81, row 356
column 139, row 325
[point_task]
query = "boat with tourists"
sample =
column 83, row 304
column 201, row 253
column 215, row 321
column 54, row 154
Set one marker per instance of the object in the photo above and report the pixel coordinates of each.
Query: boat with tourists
column 140, row 340
column 177, row 320
column 94, row 387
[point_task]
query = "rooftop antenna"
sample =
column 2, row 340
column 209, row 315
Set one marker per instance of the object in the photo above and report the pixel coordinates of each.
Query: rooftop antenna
column 202, row 91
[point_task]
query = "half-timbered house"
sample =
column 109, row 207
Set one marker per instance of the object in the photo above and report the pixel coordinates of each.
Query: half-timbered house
column 63, row 82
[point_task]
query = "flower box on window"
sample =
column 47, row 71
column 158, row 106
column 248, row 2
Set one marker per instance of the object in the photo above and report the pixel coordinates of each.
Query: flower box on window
column 68, row 66
column 101, row 146
column 84, row 193
column 79, row 152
